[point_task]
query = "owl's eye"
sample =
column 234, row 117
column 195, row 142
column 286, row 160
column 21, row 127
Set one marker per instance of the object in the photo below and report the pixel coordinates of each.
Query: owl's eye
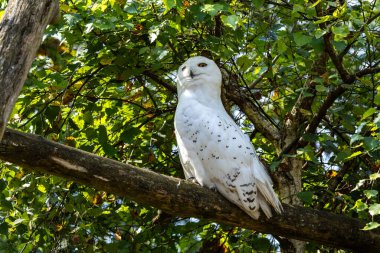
column 183, row 68
column 202, row 64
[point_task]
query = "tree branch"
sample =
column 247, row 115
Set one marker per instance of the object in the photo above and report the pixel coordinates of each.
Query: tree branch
column 367, row 71
column 241, row 99
column 343, row 73
column 357, row 34
column 21, row 31
column 329, row 101
column 261, row 77
column 179, row 197
column 158, row 80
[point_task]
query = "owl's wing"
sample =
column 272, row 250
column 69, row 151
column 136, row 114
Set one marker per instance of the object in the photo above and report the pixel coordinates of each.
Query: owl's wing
column 229, row 160
column 184, row 157
column 222, row 156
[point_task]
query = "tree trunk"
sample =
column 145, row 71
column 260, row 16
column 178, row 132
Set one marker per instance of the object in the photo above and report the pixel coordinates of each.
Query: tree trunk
column 21, row 31
column 179, row 197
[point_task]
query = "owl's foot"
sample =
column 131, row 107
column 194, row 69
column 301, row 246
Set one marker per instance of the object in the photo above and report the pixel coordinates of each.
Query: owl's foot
column 192, row 179
column 213, row 188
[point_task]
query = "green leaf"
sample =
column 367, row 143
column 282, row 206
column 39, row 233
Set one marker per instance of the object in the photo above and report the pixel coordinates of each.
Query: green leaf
column 231, row 21
column 4, row 228
column 306, row 197
column 212, row 9
column 261, row 244
column 371, row 143
column 258, row 3
column 169, row 4
column 301, row 39
column 129, row 134
column 371, row 225
column 374, row 209
column 340, row 32
column 360, row 206
column 244, row 62
column 90, row 133
column 356, row 137
column 368, row 113
column 319, row 33
column 3, row 184
column 320, row 88
column 377, row 99
column 371, row 193
column 73, row 124
column 102, row 134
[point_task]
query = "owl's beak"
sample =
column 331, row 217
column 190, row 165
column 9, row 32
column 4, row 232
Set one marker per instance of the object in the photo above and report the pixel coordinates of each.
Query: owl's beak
column 191, row 74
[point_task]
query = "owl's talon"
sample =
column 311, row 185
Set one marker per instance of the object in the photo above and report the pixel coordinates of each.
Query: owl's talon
column 213, row 188
column 193, row 180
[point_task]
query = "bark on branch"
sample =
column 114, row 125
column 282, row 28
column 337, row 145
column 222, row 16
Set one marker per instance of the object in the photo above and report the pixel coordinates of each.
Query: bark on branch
column 21, row 31
column 240, row 97
column 179, row 197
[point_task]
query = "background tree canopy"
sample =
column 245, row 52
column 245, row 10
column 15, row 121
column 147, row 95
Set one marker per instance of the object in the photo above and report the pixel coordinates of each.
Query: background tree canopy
column 301, row 79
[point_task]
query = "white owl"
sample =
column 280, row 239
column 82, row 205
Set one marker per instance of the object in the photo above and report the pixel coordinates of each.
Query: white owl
column 213, row 149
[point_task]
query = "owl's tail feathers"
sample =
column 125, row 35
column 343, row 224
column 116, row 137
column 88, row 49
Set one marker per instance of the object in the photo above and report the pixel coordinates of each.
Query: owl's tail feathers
column 267, row 195
column 264, row 205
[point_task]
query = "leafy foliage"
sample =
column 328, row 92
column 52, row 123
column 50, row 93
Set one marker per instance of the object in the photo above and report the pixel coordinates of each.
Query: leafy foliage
column 104, row 81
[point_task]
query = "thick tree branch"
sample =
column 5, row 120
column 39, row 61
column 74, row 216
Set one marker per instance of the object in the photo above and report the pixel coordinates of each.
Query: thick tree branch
column 179, row 197
column 21, row 31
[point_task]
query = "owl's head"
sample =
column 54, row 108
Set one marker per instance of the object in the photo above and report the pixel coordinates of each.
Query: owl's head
column 198, row 72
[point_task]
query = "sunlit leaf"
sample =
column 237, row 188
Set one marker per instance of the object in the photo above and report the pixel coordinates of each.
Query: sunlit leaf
column 371, row 225
column 230, row 20
column 371, row 193
column 41, row 188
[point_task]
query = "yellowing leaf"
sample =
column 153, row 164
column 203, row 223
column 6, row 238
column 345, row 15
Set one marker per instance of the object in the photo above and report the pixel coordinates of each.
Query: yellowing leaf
column 354, row 155
column 78, row 84
column 374, row 176
column 112, row 2
column 58, row 227
column 19, row 175
column 340, row 11
column 315, row 4
column 67, row 8
column 41, row 188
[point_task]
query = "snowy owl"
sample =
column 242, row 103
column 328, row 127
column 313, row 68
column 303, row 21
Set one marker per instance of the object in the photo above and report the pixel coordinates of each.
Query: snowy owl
column 213, row 149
